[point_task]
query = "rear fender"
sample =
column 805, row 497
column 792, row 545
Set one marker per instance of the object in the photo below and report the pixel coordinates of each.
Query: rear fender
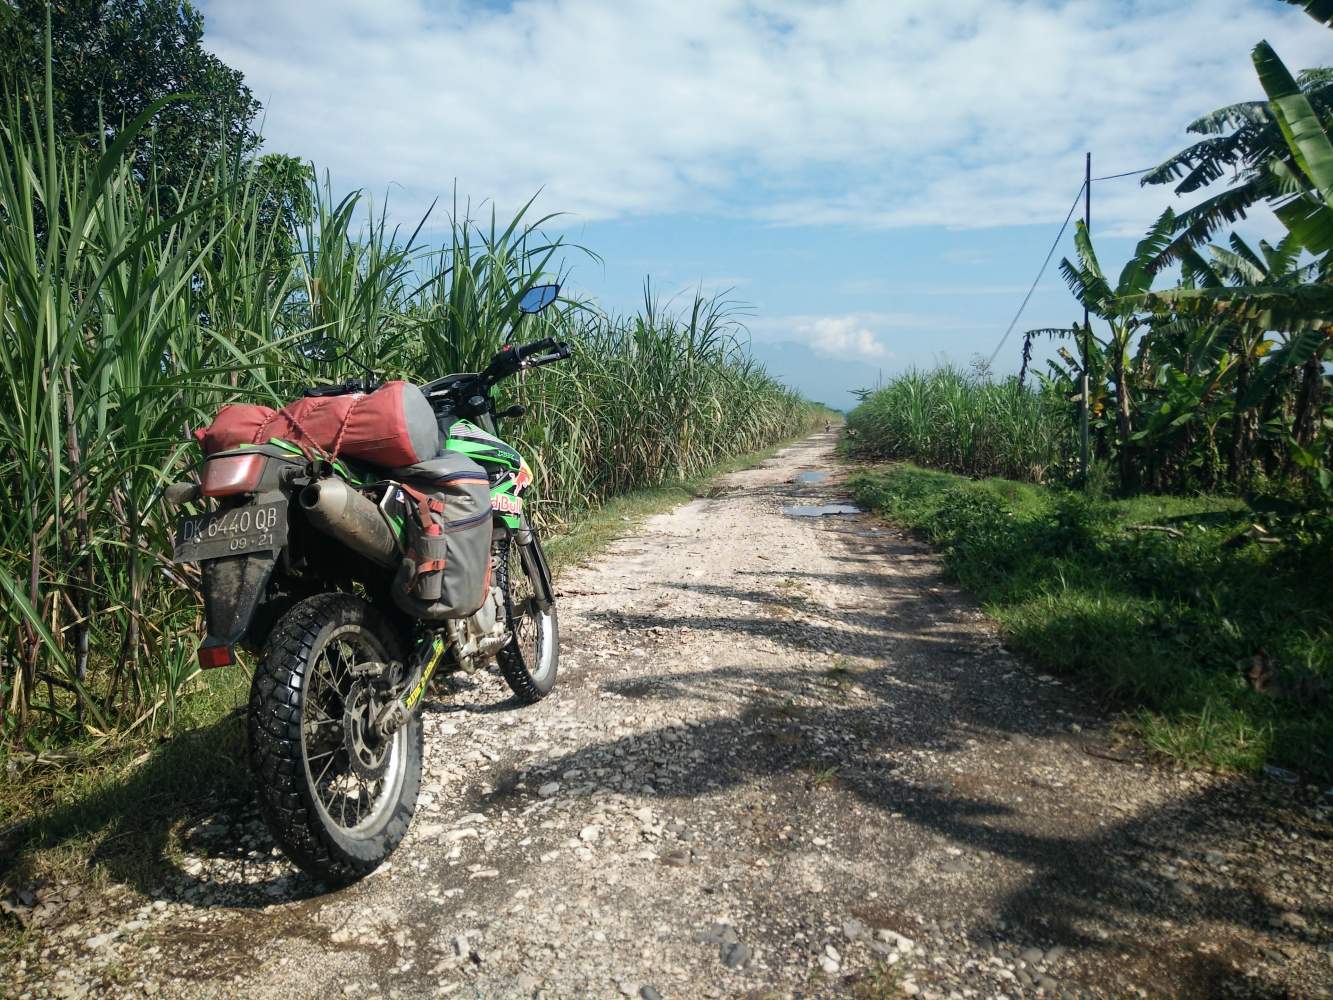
column 233, row 588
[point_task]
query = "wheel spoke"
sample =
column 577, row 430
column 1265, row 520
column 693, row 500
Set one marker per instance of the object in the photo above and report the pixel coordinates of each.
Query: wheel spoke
column 348, row 777
column 334, row 756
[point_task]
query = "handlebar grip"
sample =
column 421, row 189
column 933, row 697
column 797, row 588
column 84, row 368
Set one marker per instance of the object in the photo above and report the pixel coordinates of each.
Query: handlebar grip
column 513, row 359
column 527, row 350
column 507, row 361
column 561, row 352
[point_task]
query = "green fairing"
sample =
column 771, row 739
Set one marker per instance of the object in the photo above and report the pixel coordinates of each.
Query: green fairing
column 472, row 441
column 481, row 447
column 486, row 449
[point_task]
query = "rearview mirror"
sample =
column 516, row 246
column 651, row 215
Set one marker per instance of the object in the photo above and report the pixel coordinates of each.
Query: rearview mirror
column 537, row 298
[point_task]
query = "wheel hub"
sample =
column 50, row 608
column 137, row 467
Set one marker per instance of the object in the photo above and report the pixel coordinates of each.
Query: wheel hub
column 367, row 750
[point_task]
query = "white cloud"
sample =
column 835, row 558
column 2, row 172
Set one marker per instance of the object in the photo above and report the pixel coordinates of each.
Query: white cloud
column 857, row 336
column 844, row 337
column 849, row 112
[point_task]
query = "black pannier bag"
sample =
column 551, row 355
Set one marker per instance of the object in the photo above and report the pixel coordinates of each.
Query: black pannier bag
column 445, row 504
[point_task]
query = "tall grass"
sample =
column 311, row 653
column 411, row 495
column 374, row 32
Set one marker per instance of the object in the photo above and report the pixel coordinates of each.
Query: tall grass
column 967, row 423
column 122, row 329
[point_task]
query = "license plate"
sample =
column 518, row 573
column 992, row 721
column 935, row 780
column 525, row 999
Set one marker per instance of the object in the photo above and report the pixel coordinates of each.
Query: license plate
column 256, row 527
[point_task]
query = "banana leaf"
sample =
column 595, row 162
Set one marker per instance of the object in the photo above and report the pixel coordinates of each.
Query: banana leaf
column 1296, row 352
column 1320, row 10
column 1300, row 124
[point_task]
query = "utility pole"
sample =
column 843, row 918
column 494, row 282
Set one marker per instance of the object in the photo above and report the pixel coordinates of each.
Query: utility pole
column 1083, row 416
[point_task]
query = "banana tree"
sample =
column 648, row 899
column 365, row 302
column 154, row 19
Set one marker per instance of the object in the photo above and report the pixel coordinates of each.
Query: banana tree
column 1114, row 306
column 1300, row 186
column 1320, row 10
column 1242, row 266
column 1245, row 141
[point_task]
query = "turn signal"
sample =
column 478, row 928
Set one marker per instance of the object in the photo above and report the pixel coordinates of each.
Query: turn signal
column 232, row 474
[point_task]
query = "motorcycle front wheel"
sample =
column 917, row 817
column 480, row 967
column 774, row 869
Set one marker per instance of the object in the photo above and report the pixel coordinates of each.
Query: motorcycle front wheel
column 336, row 796
column 531, row 658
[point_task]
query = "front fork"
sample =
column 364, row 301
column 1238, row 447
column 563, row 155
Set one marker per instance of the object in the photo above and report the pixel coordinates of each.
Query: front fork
column 534, row 564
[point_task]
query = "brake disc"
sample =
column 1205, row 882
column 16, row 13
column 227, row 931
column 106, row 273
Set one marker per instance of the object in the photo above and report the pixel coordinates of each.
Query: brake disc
column 367, row 750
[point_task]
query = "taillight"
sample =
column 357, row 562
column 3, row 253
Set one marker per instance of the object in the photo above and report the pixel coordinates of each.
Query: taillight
column 215, row 656
column 232, row 474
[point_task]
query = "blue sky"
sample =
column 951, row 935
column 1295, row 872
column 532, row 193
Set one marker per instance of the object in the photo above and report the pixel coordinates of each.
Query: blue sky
column 877, row 182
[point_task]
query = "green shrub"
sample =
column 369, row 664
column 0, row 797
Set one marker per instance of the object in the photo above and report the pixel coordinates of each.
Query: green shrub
column 1166, row 622
column 965, row 422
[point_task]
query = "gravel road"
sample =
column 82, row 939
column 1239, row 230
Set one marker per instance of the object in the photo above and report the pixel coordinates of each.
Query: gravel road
column 786, row 758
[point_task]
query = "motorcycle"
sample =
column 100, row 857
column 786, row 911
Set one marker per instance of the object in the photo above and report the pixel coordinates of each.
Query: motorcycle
column 337, row 573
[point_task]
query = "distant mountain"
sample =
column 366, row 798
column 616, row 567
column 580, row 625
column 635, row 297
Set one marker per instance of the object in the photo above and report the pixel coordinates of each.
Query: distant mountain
column 816, row 376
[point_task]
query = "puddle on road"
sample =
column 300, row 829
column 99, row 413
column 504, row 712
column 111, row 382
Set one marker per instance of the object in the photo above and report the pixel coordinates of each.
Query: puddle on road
column 811, row 477
column 821, row 510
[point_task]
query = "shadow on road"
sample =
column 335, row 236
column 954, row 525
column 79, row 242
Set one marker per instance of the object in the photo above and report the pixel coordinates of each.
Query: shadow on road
column 184, row 824
column 1115, row 882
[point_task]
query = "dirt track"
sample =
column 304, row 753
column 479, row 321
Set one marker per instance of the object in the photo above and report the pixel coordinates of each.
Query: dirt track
column 785, row 759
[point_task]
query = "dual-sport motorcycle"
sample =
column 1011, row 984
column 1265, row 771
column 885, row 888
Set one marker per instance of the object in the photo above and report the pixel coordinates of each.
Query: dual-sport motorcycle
column 360, row 540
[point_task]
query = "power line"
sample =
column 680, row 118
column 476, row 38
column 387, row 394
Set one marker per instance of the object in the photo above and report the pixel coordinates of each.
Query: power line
column 1127, row 173
column 1049, row 254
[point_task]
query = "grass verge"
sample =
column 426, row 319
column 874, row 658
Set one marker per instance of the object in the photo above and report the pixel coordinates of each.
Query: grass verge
column 115, row 812
column 1219, row 647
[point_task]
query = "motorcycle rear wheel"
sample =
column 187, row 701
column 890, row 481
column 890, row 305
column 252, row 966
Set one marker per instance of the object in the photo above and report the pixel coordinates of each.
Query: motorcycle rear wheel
column 336, row 798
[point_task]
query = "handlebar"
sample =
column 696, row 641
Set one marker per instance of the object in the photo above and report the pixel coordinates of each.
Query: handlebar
column 527, row 350
column 468, row 393
column 512, row 359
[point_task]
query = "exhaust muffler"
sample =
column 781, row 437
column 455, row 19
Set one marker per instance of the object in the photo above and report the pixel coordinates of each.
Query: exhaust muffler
column 342, row 513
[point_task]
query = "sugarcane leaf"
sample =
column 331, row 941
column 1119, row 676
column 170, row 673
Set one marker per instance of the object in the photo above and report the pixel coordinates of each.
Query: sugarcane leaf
column 19, row 599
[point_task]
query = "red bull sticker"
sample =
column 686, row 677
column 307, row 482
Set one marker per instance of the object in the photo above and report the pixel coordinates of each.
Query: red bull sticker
column 524, row 477
column 505, row 504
